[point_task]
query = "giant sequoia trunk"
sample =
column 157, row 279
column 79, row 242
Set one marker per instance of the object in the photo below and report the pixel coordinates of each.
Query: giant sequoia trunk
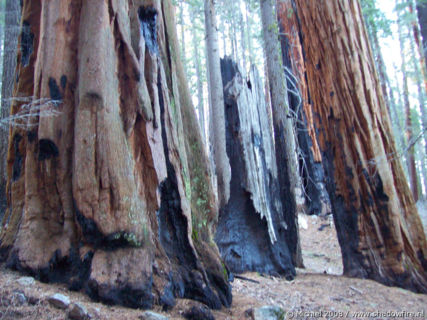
column 251, row 232
column 100, row 193
column 379, row 230
column 317, row 199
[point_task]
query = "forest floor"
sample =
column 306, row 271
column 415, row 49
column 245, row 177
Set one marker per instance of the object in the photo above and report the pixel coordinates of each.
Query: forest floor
column 317, row 292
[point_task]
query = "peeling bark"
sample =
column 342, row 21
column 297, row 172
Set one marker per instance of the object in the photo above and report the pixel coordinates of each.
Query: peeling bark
column 99, row 196
column 310, row 160
column 283, row 127
column 251, row 232
column 379, row 230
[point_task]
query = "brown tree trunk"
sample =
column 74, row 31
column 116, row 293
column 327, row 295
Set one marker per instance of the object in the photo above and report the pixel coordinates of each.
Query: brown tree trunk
column 422, row 169
column 379, row 230
column 420, row 48
column 99, row 185
column 317, row 199
column 422, row 21
column 12, row 21
column 410, row 159
column 197, row 65
column 216, row 101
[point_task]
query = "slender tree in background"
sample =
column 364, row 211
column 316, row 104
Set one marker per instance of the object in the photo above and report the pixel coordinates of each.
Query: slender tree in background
column 12, row 21
column 416, row 36
column 182, row 25
column 99, row 187
column 379, row 230
column 376, row 22
column 216, row 98
column 283, row 127
column 410, row 159
column 199, row 80
column 248, row 32
column 422, row 20
column 418, row 75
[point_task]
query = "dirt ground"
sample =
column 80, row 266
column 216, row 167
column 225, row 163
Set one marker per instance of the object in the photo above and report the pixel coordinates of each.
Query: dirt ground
column 317, row 292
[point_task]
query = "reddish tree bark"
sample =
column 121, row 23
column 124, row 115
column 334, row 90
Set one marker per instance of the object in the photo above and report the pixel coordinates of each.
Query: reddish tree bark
column 317, row 200
column 379, row 230
column 100, row 194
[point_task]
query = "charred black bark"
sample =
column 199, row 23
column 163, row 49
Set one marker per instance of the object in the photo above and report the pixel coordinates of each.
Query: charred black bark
column 189, row 280
column 70, row 268
column 312, row 172
column 242, row 236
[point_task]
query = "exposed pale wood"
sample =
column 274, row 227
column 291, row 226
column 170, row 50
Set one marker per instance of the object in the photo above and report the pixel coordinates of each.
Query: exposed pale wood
column 283, row 126
column 252, row 227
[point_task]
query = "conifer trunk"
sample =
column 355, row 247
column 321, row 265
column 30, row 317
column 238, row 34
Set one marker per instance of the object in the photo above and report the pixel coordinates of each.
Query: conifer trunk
column 12, row 22
column 283, row 128
column 100, row 189
column 379, row 230
column 317, row 199
column 216, row 99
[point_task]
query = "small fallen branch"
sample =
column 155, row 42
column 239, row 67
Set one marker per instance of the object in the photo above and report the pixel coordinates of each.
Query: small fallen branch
column 356, row 290
column 245, row 279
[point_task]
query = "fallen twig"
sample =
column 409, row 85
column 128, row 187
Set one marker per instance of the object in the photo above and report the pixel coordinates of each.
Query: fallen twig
column 245, row 279
column 356, row 290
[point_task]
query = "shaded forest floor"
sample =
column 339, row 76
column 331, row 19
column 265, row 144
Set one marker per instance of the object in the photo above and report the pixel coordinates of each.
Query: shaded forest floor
column 317, row 288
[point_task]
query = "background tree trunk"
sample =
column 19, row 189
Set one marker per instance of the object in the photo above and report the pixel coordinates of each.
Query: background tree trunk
column 251, row 231
column 379, row 230
column 12, row 21
column 422, row 20
column 100, row 188
column 216, row 96
column 283, row 128
column 199, row 81
column 420, row 36
column 410, row 158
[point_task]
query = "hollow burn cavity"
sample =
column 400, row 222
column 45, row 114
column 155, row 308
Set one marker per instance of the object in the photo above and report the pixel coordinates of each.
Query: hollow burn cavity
column 47, row 149
column 148, row 23
column 27, row 43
